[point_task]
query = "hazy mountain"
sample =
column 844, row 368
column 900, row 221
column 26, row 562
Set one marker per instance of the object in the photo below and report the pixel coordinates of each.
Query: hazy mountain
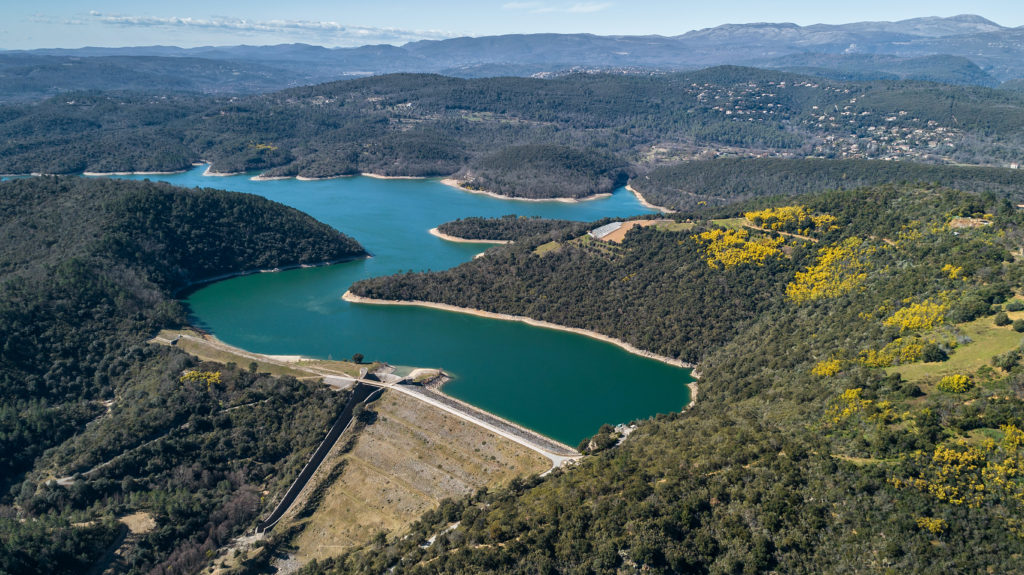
column 859, row 67
column 29, row 76
column 957, row 50
column 931, row 26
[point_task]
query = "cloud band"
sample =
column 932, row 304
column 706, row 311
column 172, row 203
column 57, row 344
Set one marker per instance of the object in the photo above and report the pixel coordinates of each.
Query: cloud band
column 336, row 31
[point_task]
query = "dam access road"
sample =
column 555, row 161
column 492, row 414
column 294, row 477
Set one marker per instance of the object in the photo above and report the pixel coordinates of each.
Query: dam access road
column 558, row 453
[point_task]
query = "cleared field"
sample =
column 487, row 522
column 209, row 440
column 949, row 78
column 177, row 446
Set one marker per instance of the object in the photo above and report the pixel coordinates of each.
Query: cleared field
column 670, row 226
column 731, row 223
column 620, row 234
column 403, row 464
column 988, row 340
column 548, row 247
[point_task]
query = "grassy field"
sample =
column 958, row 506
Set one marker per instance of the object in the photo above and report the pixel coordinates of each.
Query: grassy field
column 988, row 340
column 548, row 247
column 670, row 226
column 406, row 462
column 731, row 223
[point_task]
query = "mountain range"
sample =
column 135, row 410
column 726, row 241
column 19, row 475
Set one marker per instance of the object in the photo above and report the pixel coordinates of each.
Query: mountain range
column 964, row 49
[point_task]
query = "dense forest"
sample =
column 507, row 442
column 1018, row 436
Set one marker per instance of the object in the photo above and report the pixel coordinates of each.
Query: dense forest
column 672, row 308
column 89, row 268
column 508, row 228
column 688, row 185
column 545, row 171
column 861, row 405
column 572, row 135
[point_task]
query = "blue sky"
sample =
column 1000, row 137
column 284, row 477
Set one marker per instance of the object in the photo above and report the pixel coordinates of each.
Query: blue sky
column 72, row 24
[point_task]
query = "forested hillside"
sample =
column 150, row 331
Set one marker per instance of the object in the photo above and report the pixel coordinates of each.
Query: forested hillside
column 672, row 308
column 861, row 406
column 568, row 136
column 689, row 185
column 89, row 267
column 505, row 228
column 545, row 171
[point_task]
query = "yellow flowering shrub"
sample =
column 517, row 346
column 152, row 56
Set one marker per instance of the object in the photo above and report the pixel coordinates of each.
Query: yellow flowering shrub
column 954, row 475
column 953, row 272
column 918, row 316
column 932, row 524
column 724, row 249
column 956, row 383
column 795, row 219
column 827, row 368
column 210, row 378
column 966, row 475
column 899, row 351
column 848, row 404
column 1013, row 439
column 909, row 234
column 851, row 403
column 883, row 412
column 824, row 223
column 1004, row 472
column 840, row 270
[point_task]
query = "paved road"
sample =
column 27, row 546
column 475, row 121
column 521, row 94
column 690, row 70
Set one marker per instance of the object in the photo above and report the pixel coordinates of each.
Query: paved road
column 557, row 453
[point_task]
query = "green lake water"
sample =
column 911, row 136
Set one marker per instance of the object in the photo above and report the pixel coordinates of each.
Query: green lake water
column 560, row 384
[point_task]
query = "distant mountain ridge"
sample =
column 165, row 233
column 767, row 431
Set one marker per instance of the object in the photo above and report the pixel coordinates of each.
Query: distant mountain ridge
column 965, row 49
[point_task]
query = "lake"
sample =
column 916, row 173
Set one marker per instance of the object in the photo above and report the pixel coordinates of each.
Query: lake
column 560, row 384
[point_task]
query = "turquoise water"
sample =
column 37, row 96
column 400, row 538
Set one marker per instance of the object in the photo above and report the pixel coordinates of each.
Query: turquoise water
column 560, row 384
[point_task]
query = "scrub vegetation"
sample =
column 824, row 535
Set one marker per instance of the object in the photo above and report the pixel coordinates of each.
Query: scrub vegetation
column 95, row 426
column 803, row 453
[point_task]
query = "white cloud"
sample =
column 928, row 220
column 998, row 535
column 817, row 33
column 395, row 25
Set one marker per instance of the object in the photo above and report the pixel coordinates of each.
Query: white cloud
column 543, row 8
column 326, row 30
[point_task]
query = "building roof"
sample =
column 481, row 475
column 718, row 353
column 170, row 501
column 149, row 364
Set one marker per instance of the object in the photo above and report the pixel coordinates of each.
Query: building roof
column 604, row 230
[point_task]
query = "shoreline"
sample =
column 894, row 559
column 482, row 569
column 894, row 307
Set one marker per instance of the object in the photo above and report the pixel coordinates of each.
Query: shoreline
column 643, row 201
column 301, row 178
column 320, row 179
column 383, row 177
column 250, row 272
column 451, row 182
column 108, row 174
column 261, row 178
column 352, row 298
column 439, row 234
column 207, row 172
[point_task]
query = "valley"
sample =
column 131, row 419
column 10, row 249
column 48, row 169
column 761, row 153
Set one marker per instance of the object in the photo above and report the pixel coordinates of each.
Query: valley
column 426, row 300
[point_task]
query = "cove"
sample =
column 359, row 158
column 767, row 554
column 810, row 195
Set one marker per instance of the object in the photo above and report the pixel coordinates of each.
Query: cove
column 560, row 384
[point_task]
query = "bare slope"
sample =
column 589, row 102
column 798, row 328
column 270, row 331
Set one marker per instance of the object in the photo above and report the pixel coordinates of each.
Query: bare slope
column 405, row 463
